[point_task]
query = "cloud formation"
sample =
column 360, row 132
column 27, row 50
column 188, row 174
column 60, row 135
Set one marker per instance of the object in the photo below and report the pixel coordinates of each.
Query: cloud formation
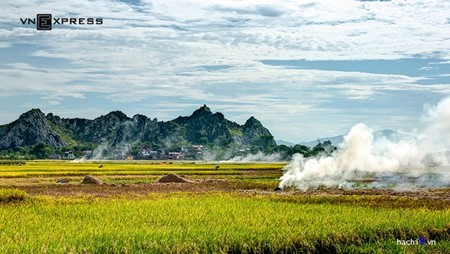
column 188, row 53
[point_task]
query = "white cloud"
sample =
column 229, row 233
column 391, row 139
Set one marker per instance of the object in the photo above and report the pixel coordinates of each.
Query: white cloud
column 155, row 49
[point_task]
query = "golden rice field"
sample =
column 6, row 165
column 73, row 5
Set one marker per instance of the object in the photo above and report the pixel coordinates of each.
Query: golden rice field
column 46, row 168
column 232, row 209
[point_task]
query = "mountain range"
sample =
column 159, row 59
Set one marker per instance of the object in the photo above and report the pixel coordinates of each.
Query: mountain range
column 202, row 127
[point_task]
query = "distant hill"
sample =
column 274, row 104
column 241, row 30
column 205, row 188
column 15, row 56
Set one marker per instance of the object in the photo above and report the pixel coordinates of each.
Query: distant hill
column 283, row 142
column 336, row 140
column 203, row 127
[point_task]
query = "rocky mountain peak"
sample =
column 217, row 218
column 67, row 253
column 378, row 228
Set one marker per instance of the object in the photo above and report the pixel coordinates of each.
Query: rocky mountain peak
column 252, row 122
column 256, row 133
column 31, row 128
column 33, row 113
column 117, row 114
column 202, row 111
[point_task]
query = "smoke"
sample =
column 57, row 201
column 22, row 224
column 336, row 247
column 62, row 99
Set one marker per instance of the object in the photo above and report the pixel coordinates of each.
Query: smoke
column 217, row 153
column 404, row 162
column 79, row 160
column 259, row 156
column 99, row 152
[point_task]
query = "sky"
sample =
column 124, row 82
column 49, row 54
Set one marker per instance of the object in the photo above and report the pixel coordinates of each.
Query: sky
column 305, row 69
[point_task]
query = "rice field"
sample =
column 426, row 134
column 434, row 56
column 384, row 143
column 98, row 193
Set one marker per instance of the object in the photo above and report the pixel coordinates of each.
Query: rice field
column 69, row 168
column 218, row 213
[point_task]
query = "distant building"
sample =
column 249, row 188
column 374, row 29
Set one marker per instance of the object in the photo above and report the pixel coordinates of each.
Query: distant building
column 149, row 154
column 197, row 151
column 175, row 156
column 197, row 147
column 243, row 152
column 69, row 155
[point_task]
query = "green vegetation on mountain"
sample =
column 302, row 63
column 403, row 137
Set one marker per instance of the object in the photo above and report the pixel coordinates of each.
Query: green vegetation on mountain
column 38, row 135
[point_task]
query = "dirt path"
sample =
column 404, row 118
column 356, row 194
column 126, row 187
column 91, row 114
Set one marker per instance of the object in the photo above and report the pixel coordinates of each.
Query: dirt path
column 216, row 185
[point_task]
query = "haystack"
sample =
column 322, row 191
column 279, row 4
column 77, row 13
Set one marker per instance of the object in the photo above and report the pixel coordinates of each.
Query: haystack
column 173, row 178
column 91, row 180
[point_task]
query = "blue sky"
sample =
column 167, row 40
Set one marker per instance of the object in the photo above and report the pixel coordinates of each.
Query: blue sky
column 306, row 69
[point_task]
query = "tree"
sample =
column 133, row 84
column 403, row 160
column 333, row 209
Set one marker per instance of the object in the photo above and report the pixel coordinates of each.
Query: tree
column 204, row 140
column 38, row 151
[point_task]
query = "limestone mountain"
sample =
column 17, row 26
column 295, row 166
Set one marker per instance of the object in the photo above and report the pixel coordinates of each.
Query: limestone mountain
column 31, row 128
column 116, row 129
column 256, row 134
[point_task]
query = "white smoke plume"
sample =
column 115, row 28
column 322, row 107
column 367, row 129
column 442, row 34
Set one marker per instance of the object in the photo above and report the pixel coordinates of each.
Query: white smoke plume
column 79, row 160
column 99, row 152
column 407, row 162
column 259, row 156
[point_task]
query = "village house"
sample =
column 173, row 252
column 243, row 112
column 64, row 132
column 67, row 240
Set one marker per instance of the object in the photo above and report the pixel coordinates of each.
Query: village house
column 175, row 156
column 149, row 154
column 69, row 155
column 197, row 147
